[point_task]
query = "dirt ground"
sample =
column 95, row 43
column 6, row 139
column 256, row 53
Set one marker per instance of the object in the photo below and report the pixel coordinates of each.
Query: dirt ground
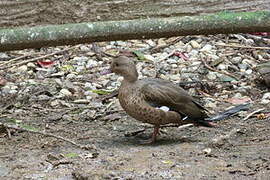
column 189, row 153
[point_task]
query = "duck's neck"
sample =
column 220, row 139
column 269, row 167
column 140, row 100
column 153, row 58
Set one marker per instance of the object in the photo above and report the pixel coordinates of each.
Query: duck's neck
column 132, row 76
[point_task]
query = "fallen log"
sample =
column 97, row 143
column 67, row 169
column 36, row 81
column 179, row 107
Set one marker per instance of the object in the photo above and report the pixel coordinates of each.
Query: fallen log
column 54, row 35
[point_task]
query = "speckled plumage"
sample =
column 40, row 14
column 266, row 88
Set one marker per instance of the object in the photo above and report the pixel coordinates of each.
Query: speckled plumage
column 140, row 98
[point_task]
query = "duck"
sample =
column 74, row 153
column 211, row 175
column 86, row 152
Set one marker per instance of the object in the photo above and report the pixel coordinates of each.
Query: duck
column 155, row 101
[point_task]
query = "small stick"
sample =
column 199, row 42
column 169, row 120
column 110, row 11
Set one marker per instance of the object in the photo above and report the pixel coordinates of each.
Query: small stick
column 38, row 58
column 246, row 47
column 254, row 112
column 15, row 59
column 41, row 133
column 215, row 70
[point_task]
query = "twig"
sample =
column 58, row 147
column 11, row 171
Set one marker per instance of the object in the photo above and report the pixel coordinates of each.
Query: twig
column 7, row 126
column 240, row 46
column 15, row 59
column 254, row 112
column 215, row 70
column 158, row 48
column 38, row 58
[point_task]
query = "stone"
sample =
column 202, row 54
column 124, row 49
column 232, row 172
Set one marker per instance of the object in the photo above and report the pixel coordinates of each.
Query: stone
column 65, row 92
column 195, row 44
column 266, row 95
column 71, row 76
column 206, row 48
column 211, row 75
column 22, row 68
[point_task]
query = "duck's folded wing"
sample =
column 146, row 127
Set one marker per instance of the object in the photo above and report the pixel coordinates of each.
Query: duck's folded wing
column 162, row 93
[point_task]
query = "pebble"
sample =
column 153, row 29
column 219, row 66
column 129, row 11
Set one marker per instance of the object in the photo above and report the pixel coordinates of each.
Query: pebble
column 265, row 101
column 171, row 61
column 249, row 71
column 54, row 103
column 3, row 56
column 22, row 68
column 65, row 92
column 31, row 65
column 266, row 95
column 84, row 48
column 71, row 76
column 221, row 67
column 206, row 48
column 91, row 63
column 195, row 44
column 236, row 60
column 242, row 67
column 90, row 86
column 175, row 77
column 211, row 75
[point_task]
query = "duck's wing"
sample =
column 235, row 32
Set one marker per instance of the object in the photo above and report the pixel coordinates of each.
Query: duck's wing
column 164, row 93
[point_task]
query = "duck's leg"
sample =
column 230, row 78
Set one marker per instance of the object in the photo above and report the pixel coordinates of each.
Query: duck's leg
column 153, row 137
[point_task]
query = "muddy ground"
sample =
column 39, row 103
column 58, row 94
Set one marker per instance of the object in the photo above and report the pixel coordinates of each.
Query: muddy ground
column 189, row 153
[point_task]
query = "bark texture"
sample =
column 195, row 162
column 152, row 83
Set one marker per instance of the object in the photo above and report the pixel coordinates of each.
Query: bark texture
column 53, row 35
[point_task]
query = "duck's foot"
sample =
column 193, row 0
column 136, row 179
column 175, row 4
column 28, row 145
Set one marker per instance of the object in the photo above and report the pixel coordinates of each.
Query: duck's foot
column 153, row 138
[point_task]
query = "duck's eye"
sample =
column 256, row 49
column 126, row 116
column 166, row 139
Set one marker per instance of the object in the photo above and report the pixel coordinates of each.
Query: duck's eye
column 116, row 64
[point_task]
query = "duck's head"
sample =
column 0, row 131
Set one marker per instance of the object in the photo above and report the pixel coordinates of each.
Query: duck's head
column 125, row 67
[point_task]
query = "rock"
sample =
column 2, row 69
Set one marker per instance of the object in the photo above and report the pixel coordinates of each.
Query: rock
column 221, row 67
column 151, row 42
column 265, row 101
column 3, row 56
column 4, row 171
column 84, row 48
column 65, row 92
column 71, row 76
column 54, row 103
column 80, row 68
column 31, row 65
column 266, row 95
column 22, row 68
column 91, row 63
column 249, row 71
column 89, row 86
column 194, row 44
column 43, row 97
column 66, row 117
column 80, row 60
column 206, row 48
column 211, row 75
column 236, row 60
column 238, row 95
column 171, row 61
column 242, row 67
column 175, row 77
column 207, row 150
column 149, row 57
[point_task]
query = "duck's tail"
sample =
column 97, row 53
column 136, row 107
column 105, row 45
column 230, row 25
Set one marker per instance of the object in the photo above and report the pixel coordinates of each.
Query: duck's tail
column 210, row 121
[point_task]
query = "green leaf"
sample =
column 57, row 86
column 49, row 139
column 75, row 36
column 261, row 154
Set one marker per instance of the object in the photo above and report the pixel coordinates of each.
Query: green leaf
column 27, row 127
column 101, row 92
column 139, row 54
column 70, row 155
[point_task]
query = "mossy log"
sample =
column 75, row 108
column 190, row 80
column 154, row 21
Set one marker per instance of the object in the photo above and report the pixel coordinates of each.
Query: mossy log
column 53, row 35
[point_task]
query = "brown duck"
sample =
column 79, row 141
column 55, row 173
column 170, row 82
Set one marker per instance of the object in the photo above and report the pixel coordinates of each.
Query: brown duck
column 155, row 101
